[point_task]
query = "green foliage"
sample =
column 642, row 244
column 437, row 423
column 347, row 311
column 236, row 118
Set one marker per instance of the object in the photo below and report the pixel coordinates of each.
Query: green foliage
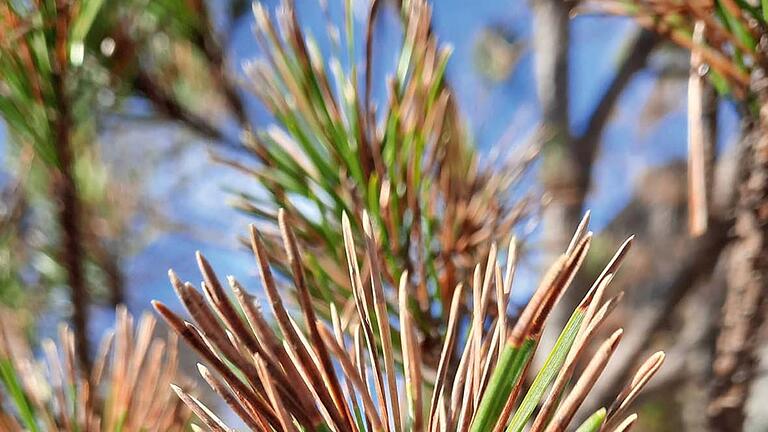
column 509, row 371
column 10, row 379
column 549, row 370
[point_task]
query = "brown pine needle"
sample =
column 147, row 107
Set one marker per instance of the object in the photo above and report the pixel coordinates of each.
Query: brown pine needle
column 351, row 373
column 274, row 398
column 477, row 335
column 627, row 424
column 338, row 333
column 202, row 412
column 615, row 263
column 411, row 358
column 382, row 318
column 697, row 137
column 511, row 265
column 501, row 311
column 231, row 400
column 644, row 373
column 193, row 337
column 273, row 351
column 442, row 368
column 295, row 347
column 584, row 384
column 219, row 298
column 364, row 313
column 525, row 320
column 581, row 230
column 322, row 408
column 128, row 384
column 569, row 366
column 325, row 367
column 460, row 380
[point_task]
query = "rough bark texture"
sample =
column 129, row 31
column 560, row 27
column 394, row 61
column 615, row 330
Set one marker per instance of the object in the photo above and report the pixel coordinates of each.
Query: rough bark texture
column 743, row 313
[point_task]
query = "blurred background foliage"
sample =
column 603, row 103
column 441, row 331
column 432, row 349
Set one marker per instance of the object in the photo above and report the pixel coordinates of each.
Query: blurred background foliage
column 123, row 122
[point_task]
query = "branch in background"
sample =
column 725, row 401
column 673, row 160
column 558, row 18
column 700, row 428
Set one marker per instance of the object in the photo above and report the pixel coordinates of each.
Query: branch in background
column 575, row 157
column 109, row 263
column 653, row 319
column 559, row 172
column 171, row 107
column 699, row 320
column 211, row 47
column 204, row 39
column 208, row 42
column 692, row 270
column 638, row 52
column 66, row 193
column 115, row 278
column 551, row 40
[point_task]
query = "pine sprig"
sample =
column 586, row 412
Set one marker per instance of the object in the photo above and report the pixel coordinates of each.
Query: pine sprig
column 407, row 162
column 346, row 374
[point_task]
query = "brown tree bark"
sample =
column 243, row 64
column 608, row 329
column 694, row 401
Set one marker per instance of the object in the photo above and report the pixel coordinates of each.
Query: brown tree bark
column 743, row 314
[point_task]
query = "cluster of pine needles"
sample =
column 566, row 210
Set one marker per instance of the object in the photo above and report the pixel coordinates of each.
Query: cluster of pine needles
column 406, row 160
column 126, row 390
column 348, row 375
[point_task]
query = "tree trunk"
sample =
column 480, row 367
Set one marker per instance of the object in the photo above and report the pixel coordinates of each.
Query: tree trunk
column 560, row 175
column 743, row 313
